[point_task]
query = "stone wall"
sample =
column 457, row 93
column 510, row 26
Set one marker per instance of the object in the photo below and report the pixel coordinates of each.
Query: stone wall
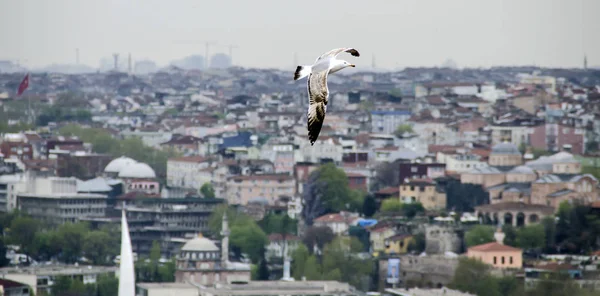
column 440, row 239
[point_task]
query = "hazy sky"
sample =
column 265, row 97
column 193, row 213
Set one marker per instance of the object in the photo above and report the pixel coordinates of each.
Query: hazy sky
column 268, row 32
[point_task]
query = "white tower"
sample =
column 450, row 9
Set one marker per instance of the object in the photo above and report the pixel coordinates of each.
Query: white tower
column 126, row 271
column 225, row 242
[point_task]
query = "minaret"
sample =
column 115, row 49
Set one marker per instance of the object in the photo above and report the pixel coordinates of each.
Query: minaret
column 126, row 269
column 225, row 241
column 499, row 235
column 585, row 62
column 286, row 263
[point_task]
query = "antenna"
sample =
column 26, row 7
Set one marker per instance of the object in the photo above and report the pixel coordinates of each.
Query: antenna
column 116, row 58
column 206, row 59
column 231, row 47
column 373, row 61
column 129, row 64
column 207, row 45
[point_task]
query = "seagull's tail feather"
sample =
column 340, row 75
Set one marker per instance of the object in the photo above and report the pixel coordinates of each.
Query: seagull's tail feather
column 301, row 72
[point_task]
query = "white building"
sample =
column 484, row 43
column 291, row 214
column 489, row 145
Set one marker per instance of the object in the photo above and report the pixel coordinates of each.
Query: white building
column 56, row 201
column 387, row 121
column 460, row 163
column 187, row 171
column 41, row 278
column 325, row 148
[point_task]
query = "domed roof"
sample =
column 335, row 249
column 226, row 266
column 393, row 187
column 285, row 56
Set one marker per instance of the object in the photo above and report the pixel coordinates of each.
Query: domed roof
column 522, row 170
column 117, row 164
column 200, row 244
column 506, row 148
column 138, row 170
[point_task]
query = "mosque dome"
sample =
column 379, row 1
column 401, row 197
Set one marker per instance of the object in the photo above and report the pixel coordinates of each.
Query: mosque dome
column 117, row 164
column 200, row 244
column 138, row 170
column 506, row 148
column 522, row 170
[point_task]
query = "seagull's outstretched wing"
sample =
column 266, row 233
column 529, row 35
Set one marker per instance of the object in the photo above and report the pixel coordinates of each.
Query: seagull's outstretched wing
column 334, row 52
column 317, row 97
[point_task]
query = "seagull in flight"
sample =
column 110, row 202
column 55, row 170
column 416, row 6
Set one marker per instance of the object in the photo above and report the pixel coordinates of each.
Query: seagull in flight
column 318, row 93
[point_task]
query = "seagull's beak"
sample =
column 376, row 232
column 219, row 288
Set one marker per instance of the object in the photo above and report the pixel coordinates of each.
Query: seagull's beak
column 352, row 65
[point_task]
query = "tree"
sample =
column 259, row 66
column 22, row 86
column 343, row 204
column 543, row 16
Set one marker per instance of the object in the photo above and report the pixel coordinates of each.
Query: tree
column 317, row 236
column 155, row 251
column 369, row 207
column 391, row 205
column 387, row 174
column 510, row 286
column 250, row 239
column 207, row 190
column 98, row 248
column 340, row 254
column 549, row 233
column 473, row 276
column 233, row 217
column 510, row 235
column 299, row 257
column 479, row 234
column 46, row 245
column 531, row 237
column 403, row 129
column 61, row 286
column 312, row 271
column 462, row 197
column 108, row 285
column 278, row 223
column 263, row 270
column 410, row 210
column 22, row 232
column 333, row 275
column 327, row 191
column 3, row 260
column 417, row 245
column 362, row 235
column 557, row 284
column 72, row 237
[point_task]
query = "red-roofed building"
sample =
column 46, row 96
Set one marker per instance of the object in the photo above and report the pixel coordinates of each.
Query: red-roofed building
column 387, row 192
column 12, row 288
column 20, row 150
column 357, row 181
column 337, row 222
column 497, row 254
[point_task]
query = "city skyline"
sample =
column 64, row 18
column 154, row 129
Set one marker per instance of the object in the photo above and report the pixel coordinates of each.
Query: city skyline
column 410, row 33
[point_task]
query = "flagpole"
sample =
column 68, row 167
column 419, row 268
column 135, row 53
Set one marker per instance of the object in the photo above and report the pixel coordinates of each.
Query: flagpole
column 29, row 100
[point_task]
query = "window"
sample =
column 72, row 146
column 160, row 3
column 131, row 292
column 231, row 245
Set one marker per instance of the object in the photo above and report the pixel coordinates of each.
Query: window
column 510, row 260
column 412, row 188
column 414, row 169
column 502, row 260
column 494, row 259
column 422, row 188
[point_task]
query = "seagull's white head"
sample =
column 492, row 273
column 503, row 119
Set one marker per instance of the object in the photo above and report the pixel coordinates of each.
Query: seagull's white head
column 339, row 65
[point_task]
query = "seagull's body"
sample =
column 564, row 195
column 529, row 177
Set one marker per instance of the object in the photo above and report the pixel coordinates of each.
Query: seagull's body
column 318, row 93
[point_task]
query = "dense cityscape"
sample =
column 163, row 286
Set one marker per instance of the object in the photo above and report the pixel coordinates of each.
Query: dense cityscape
column 423, row 181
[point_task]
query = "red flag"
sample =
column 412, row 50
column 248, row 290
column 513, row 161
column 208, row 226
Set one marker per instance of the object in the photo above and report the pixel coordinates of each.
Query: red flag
column 23, row 86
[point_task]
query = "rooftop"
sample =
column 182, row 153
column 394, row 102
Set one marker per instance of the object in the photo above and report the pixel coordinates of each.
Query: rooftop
column 59, row 269
column 494, row 247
